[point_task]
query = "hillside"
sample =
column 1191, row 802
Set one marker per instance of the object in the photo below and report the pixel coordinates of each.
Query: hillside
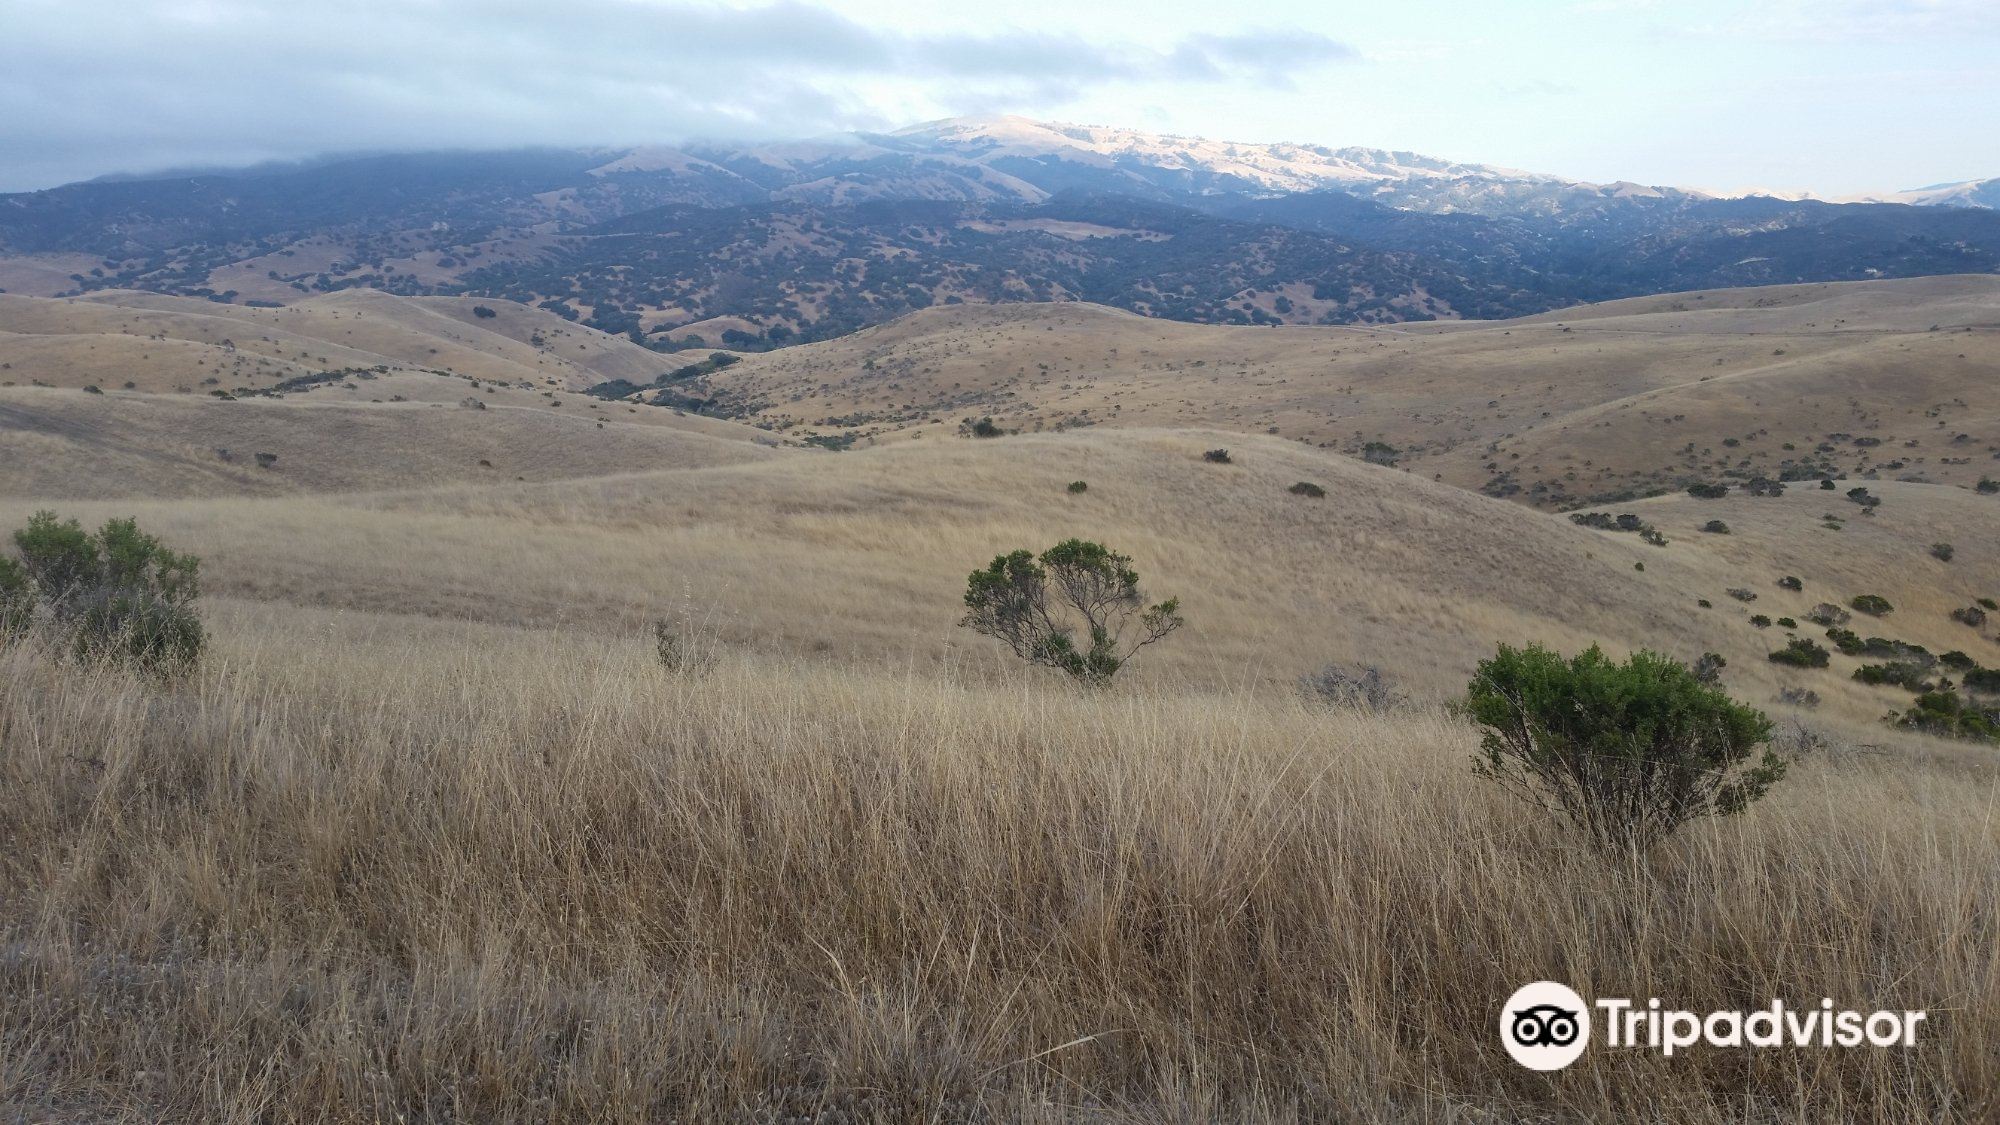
column 762, row 246
column 1877, row 380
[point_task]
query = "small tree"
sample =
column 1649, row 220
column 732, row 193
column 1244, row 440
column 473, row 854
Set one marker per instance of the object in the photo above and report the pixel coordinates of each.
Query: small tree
column 117, row 594
column 1069, row 610
column 1625, row 752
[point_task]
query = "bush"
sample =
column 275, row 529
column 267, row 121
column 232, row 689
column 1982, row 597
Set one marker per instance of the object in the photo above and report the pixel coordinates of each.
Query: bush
column 1801, row 653
column 1715, row 527
column 1787, row 623
column 1708, row 491
column 1942, row 552
column 1077, row 486
column 1361, row 686
column 1985, row 680
column 115, row 595
column 1742, row 594
column 1760, row 621
column 1970, row 615
column 1826, row 613
column 1627, row 753
column 483, row 313
column 981, row 428
column 1874, row 605
column 1790, row 582
column 1218, row 456
column 1958, row 661
column 1308, row 489
column 1708, row 668
column 1798, row 697
column 1039, row 606
column 1944, row 713
column 1988, row 485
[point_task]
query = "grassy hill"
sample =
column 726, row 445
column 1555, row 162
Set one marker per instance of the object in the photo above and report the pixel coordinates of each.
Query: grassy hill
column 433, row 814
column 1880, row 380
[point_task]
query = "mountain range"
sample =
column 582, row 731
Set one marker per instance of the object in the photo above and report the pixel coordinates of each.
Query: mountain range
column 760, row 246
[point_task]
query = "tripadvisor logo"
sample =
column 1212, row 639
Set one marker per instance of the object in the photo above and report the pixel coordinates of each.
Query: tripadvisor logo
column 1546, row 1026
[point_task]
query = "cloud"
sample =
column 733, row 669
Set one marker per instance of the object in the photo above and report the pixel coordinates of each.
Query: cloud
column 89, row 86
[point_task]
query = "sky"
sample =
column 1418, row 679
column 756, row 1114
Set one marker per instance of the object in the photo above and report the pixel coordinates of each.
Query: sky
column 1833, row 97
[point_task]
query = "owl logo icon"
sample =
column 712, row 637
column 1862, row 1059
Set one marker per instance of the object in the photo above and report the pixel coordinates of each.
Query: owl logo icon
column 1545, row 1025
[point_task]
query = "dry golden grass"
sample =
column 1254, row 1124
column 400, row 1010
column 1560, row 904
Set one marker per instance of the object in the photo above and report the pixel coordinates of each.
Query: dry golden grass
column 168, row 344
column 353, row 872
column 430, row 836
column 1588, row 402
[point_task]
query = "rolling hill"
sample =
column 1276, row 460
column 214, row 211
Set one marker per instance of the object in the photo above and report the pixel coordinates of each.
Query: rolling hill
column 1878, row 380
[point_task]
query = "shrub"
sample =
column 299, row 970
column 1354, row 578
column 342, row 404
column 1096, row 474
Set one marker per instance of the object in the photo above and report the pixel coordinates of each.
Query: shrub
column 1218, row 456
column 1360, row 685
column 1704, row 603
column 1846, row 640
column 1958, row 661
column 981, row 428
column 1077, row 486
column 1039, row 607
column 483, row 313
column 115, row 595
column 1708, row 668
column 1944, row 713
column 1983, row 680
column 1801, row 653
column 1715, row 527
column 1760, row 621
column 1899, row 674
column 1970, row 615
column 1708, row 491
column 1826, row 486
column 1790, row 582
column 1862, row 497
column 1309, row 489
column 1988, row 485
column 1987, row 603
column 1874, row 605
column 1798, row 697
column 1787, row 623
column 1741, row 594
column 1826, row 613
column 1627, row 753
column 1942, row 552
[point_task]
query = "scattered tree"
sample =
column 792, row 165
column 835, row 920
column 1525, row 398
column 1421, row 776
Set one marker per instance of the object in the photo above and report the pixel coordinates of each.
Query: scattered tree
column 1069, row 610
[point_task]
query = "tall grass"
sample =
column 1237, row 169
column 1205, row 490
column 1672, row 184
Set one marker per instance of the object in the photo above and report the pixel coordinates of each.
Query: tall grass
column 532, row 879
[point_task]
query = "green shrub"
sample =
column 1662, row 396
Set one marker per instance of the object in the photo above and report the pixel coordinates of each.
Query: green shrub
column 1790, row 582
column 1715, row 527
column 1077, row 486
column 1626, row 753
column 1040, row 607
column 980, row 428
column 1787, row 623
column 1827, row 613
column 1944, row 713
column 1708, row 491
column 116, row 595
column 1308, row 489
column 1983, row 680
column 1801, row 653
column 1969, row 615
column 1942, row 552
column 1901, row 674
column 1874, row 605
column 1958, row 661
column 1217, row 456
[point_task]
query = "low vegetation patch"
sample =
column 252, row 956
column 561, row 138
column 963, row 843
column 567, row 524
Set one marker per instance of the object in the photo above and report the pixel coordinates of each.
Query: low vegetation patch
column 1070, row 609
column 1626, row 753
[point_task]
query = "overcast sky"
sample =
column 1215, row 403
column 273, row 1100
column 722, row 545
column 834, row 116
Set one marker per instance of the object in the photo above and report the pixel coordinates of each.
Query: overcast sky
column 1835, row 96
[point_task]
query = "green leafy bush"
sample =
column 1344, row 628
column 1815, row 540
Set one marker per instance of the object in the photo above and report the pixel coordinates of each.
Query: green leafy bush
column 1801, row 653
column 1715, row 527
column 1626, row 753
column 1874, row 605
column 117, row 594
column 1942, row 552
column 1217, row 456
column 1706, row 491
column 1069, row 609
column 1790, row 582
column 1308, row 489
column 1077, row 486
column 1945, row 713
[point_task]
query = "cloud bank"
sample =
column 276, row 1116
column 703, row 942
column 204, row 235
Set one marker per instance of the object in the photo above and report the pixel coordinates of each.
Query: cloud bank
column 93, row 86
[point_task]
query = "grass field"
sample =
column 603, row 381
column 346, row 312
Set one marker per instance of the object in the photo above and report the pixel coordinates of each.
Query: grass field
column 505, row 875
column 431, row 835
